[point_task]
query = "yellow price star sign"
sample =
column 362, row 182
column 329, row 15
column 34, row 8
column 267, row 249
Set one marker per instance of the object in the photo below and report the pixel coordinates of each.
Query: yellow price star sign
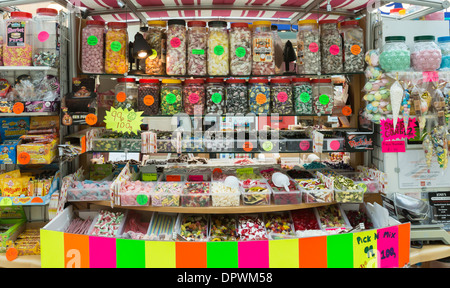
column 123, row 120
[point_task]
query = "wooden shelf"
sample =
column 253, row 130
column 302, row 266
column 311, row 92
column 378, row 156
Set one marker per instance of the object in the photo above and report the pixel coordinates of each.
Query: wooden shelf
column 218, row 210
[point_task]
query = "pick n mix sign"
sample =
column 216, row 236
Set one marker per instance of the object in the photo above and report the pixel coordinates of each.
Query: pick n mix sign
column 378, row 248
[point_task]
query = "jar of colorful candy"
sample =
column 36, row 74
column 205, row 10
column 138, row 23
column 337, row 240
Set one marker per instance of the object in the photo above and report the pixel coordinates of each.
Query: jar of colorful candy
column 155, row 64
column 218, row 48
column 126, row 91
column 263, row 49
column 425, row 54
column 215, row 96
column 194, row 96
column 149, row 96
column 176, row 47
column 19, row 44
column 240, row 49
column 46, row 50
column 197, row 48
column 92, row 47
column 353, row 43
column 171, row 97
column 395, row 55
column 444, row 44
column 331, row 47
column 259, row 96
column 302, row 94
column 237, row 96
column 281, row 96
column 116, row 48
column 308, row 47
column 323, row 94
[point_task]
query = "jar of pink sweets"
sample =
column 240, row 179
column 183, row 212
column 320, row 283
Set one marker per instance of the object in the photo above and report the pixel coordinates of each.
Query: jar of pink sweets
column 92, row 47
column 18, row 45
column 426, row 54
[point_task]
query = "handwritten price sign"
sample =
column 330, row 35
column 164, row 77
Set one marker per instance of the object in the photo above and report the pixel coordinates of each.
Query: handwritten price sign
column 123, row 120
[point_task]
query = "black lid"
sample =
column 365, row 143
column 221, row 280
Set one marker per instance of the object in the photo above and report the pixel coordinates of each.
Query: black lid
column 425, row 38
column 395, row 38
column 176, row 22
column 217, row 24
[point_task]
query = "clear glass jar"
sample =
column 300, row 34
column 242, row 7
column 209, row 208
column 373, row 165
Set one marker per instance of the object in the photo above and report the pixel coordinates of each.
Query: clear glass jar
column 323, row 95
column 176, row 47
column 331, row 47
column 395, row 54
column 278, row 50
column 218, row 48
column 444, row 44
column 240, row 49
column 194, row 96
column 19, row 44
column 2, row 40
column 263, row 49
column 237, row 96
column 155, row 64
column 171, row 97
column 93, row 47
column 302, row 94
column 126, row 92
column 259, row 96
column 308, row 47
column 197, row 48
column 149, row 96
column 281, row 96
column 116, row 48
column 353, row 43
column 215, row 96
column 46, row 49
column 425, row 54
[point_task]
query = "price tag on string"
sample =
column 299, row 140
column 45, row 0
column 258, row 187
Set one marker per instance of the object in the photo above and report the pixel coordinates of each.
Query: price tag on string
column 123, row 120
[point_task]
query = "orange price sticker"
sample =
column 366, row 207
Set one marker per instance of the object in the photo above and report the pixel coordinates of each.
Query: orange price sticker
column 91, row 119
column 247, row 146
column 11, row 254
column 149, row 100
column 121, row 97
column 261, row 99
column 356, row 49
column 23, row 158
column 346, row 111
column 18, row 108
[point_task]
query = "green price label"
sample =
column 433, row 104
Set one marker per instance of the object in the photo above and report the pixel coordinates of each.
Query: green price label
column 216, row 98
column 6, row 202
column 142, row 199
column 198, row 51
column 171, row 98
column 116, row 46
column 240, row 52
column 218, row 50
column 267, row 146
column 92, row 40
column 324, row 99
column 305, row 97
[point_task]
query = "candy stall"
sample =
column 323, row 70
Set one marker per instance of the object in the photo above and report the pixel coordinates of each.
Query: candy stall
column 148, row 134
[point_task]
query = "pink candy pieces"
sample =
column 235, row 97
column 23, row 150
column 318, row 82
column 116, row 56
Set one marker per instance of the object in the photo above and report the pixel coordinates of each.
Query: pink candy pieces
column 251, row 227
column 426, row 60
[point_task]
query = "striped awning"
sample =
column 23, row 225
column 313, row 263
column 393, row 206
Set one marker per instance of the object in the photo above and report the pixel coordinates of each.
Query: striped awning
column 277, row 10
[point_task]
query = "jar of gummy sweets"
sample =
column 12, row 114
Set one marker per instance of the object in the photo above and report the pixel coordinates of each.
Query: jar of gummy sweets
column 126, row 92
column 425, row 54
column 18, row 51
column 194, row 96
column 215, row 96
column 240, row 49
column 197, row 48
column 176, row 47
column 237, row 101
column 263, row 49
column 259, row 96
column 92, row 47
column 281, row 96
column 155, row 64
column 149, row 96
column 302, row 95
column 353, row 43
column 395, row 54
column 171, row 97
column 331, row 47
column 444, row 44
column 46, row 50
column 116, row 48
column 218, row 48
column 308, row 47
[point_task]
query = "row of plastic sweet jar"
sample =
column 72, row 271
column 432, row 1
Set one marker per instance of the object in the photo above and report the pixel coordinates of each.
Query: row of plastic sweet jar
column 218, row 96
column 30, row 41
column 425, row 54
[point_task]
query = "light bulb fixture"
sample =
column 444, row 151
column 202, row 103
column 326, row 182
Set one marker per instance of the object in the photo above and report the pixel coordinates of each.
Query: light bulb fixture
column 120, row 3
column 141, row 49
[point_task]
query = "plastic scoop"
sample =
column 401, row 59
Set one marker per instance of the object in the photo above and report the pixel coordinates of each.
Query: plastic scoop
column 232, row 182
column 281, row 180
